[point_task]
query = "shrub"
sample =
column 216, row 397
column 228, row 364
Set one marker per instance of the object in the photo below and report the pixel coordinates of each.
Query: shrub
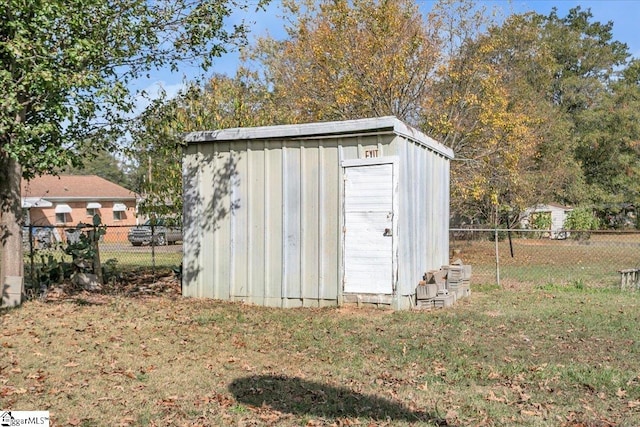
column 541, row 221
column 581, row 221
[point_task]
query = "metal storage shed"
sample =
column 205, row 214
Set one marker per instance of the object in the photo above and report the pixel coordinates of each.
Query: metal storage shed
column 314, row 214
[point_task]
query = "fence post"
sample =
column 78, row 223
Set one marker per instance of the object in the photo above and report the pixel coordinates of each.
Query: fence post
column 153, row 249
column 497, row 259
column 32, row 273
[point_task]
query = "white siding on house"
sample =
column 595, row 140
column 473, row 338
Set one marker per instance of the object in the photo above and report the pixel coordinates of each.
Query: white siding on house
column 558, row 215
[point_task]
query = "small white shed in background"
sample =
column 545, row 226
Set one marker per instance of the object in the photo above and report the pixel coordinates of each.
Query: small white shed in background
column 557, row 214
column 314, row 214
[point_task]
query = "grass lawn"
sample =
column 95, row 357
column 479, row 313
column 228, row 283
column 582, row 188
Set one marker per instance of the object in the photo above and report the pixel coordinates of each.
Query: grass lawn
column 529, row 356
column 594, row 262
column 128, row 260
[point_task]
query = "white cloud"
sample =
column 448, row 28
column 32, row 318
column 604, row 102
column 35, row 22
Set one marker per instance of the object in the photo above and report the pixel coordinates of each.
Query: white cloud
column 153, row 91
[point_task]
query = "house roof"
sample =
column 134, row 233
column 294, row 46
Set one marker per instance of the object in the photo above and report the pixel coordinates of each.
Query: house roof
column 388, row 124
column 78, row 187
column 542, row 207
column 558, row 205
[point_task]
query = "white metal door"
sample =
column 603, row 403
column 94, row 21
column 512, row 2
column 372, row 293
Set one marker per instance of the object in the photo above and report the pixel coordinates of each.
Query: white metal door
column 368, row 247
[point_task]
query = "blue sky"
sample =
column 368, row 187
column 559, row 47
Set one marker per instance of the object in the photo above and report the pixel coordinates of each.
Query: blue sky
column 625, row 15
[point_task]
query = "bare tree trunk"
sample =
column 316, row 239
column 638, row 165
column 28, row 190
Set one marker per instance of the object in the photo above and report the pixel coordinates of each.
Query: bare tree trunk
column 11, row 262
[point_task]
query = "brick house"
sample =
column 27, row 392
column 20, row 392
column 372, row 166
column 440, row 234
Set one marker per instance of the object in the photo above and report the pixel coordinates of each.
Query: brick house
column 66, row 200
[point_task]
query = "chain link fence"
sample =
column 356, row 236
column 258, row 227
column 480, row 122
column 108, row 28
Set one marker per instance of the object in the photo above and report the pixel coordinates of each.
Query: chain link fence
column 508, row 258
column 516, row 258
column 51, row 253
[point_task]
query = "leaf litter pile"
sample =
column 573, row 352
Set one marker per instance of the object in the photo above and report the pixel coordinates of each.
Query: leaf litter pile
column 135, row 283
column 530, row 357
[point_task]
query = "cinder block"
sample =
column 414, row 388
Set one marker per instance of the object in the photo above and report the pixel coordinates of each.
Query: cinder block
column 454, row 289
column 466, row 291
column 426, row 291
column 443, row 301
column 13, row 291
column 466, row 272
column 439, row 276
column 454, row 272
column 425, row 304
column 460, row 290
column 421, row 292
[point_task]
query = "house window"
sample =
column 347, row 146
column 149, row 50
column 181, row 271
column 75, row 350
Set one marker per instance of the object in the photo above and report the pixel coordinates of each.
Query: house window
column 61, row 218
column 92, row 208
column 62, row 209
column 119, row 211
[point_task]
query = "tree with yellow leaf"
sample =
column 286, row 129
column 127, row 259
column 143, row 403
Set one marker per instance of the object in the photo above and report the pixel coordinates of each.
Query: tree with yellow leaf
column 523, row 102
column 553, row 92
column 477, row 107
column 351, row 59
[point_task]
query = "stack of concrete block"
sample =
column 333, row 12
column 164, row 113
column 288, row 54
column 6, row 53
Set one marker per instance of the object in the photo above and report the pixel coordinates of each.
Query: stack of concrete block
column 442, row 288
column 459, row 279
column 432, row 291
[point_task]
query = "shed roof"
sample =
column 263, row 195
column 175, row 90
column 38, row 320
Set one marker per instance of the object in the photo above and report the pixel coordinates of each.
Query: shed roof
column 549, row 206
column 387, row 124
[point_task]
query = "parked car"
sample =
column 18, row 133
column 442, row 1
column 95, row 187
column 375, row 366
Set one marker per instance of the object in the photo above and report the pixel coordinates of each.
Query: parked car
column 160, row 234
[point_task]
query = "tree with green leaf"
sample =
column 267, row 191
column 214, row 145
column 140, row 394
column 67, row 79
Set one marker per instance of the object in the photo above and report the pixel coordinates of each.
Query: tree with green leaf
column 103, row 164
column 541, row 88
column 65, row 77
column 581, row 221
column 597, row 104
column 157, row 141
column 608, row 147
column 482, row 107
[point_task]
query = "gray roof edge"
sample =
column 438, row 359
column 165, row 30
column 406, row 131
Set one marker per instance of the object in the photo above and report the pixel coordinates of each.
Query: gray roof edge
column 390, row 123
column 61, row 199
column 415, row 135
column 295, row 130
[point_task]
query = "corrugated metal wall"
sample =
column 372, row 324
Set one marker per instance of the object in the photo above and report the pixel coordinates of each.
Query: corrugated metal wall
column 424, row 214
column 263, row 218
column 273, row 230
